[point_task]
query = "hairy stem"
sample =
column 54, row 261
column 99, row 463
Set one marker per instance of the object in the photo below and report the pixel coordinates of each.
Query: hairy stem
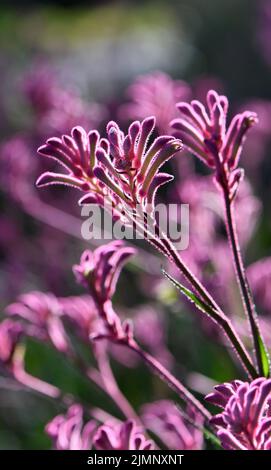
column 221, row 318
column 245, row 291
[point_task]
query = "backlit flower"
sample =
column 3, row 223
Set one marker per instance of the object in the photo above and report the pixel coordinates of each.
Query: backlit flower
column 204, row 133
column 245, row 422
column 99, row 272
column 121, row 171
column 42, row 314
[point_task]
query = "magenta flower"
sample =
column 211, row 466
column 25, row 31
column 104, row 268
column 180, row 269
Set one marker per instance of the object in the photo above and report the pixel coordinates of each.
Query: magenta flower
column 42, row 314
column 68, row 432
column 204, row 132
column 120, row 172
column 16, row 168
column 165, row 420
column 81, row 312
column 151, row 330
column 10, row 334
column 245, row 422
column 155, row 94
column 57, row 108
column 101, row 268
column 124, row 436
column 99, row 272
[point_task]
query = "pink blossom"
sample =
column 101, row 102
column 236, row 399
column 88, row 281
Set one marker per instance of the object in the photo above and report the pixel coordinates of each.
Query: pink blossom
column 155, row 94
column 101, row 268
column 43, row 313
column 68, row 432
column 165, row 420
column 151, row 331
column 16, row 168
column 55, row 107
column 99, row 272
column 204, row 133
column 121, row 171
column 125, row 436
column 245, row 422
column 82, row 314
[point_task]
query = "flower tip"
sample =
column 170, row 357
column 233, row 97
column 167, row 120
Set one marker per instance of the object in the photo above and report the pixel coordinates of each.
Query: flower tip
column 42, row 150
column 99, row 172
column 94, row 133
column 177, row 145
column 100, row 154
column 182, row 106
column 149, row 123
column 112, row 125
column 212, row 97
column 43, row 180
column 78, row 130
column 174, row 123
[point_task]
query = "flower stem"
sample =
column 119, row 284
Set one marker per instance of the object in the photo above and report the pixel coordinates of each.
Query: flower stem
column 220, row 317
column 245, row 291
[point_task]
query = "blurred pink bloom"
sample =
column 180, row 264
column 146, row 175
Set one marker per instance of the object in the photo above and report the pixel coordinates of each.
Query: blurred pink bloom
column 204, row 133
column 259, row 138
column 43, row 313
column 155, row 94
column 81, row 312
column 17, row 168
column 68, row 432
column 125, row 436
column 150, row 331
column 10, row 333
column 165, row 420
column 58, row 109
column 245, row 422
column 206, row 210
column 244, row 332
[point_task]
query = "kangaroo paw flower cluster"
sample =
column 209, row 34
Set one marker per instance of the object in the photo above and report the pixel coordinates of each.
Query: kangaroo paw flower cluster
column 245, row 422
column 68, row 432
column 204, row 133
column 120, row 171
column 99, row 271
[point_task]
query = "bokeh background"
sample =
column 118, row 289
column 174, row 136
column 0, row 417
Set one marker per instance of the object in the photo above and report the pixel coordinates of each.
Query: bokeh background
column 68, row 63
